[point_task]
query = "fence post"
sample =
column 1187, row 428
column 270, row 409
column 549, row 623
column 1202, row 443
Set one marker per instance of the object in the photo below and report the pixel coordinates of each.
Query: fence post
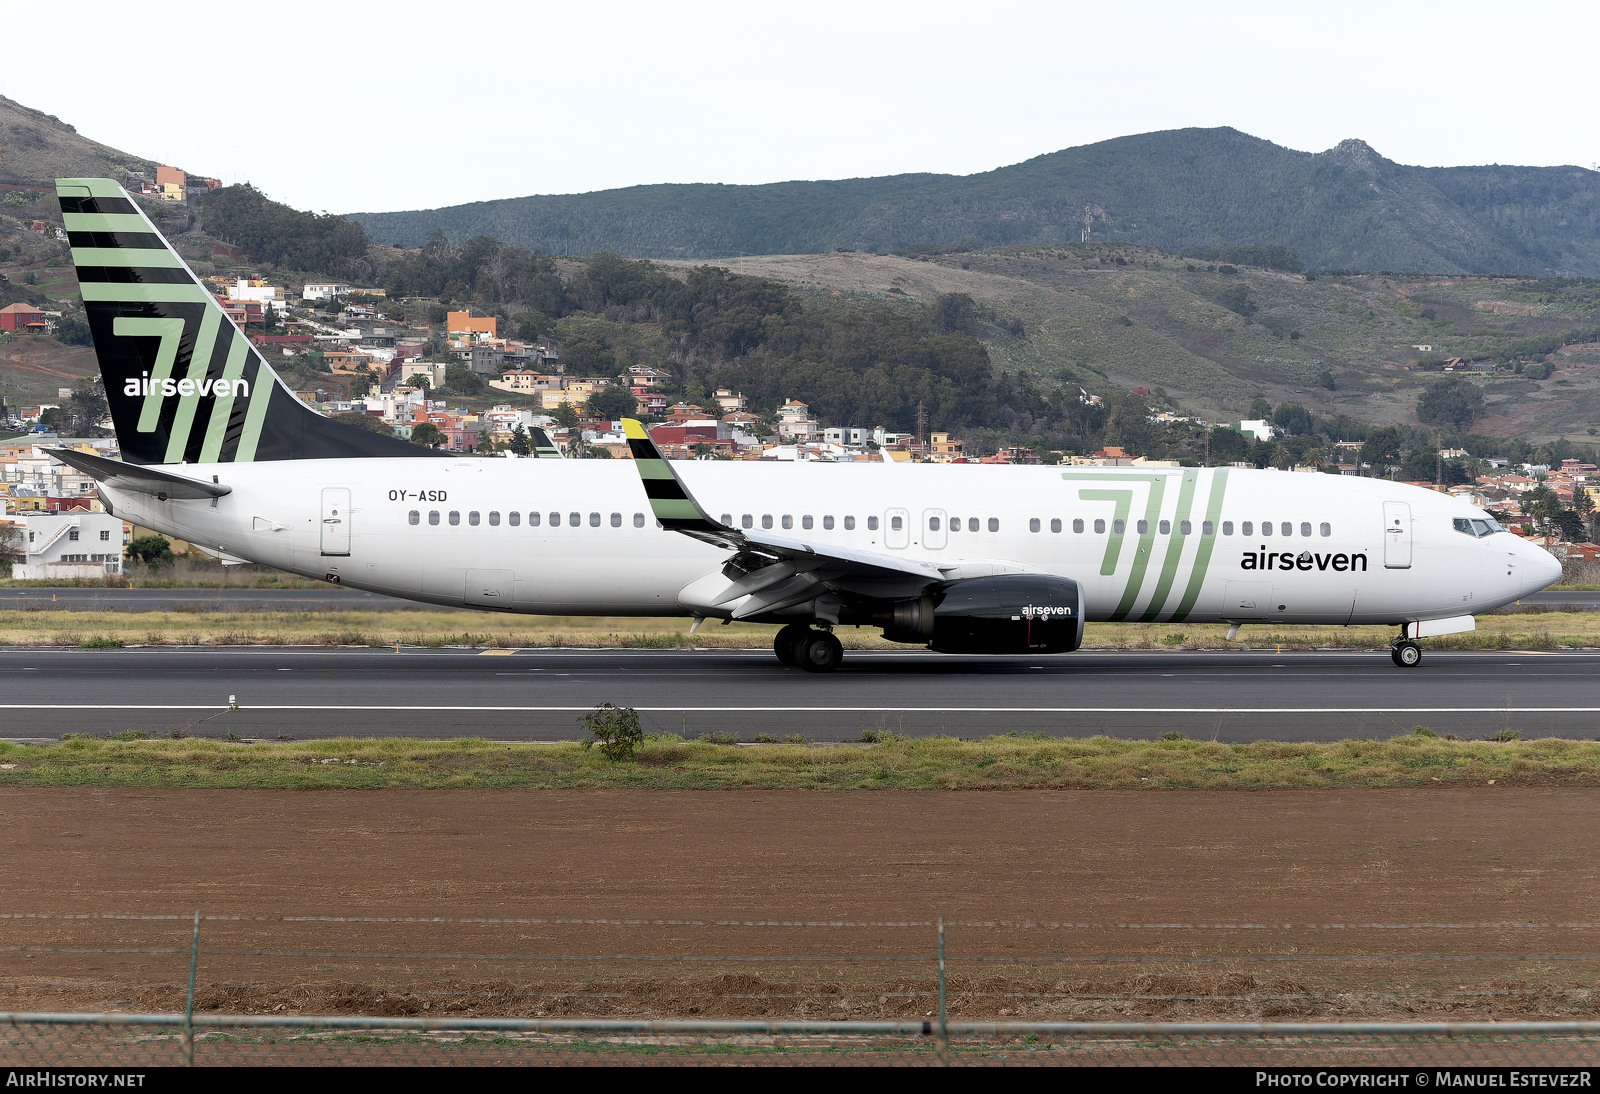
column 942, row 1052
column 187, row 1051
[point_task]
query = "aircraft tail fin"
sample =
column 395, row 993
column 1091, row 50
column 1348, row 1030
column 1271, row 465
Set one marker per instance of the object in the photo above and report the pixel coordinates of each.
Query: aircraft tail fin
column 183, row 383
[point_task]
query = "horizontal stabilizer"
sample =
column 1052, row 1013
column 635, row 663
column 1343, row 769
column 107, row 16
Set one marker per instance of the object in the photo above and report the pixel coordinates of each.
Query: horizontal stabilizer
column 141, row 479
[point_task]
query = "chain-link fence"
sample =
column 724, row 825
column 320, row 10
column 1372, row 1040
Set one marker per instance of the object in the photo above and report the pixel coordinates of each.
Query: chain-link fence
column 132, row 1041
column 138, row 989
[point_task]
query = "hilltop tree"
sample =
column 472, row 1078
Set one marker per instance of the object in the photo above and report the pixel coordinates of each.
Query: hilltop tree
column 1452, row 401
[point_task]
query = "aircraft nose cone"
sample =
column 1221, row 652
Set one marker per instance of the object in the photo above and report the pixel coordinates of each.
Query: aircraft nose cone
column 1541, row 568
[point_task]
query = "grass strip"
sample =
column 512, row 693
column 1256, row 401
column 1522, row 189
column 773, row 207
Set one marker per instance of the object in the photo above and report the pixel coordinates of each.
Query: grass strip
column 668, row 762
column 436, row 629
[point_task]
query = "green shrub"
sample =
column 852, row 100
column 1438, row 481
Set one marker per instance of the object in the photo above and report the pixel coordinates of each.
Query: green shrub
column 1507, row 735
column 100, row 643
column 720, row 738
column 615, row 729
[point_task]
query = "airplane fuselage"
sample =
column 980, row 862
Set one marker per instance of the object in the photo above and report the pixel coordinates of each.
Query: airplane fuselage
column 576, row 537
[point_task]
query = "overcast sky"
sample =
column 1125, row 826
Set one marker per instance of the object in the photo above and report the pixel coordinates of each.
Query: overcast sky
column 401, row 105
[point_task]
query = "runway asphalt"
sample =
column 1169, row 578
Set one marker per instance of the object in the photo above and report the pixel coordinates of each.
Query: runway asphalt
column 539, row 694
column 333, row 599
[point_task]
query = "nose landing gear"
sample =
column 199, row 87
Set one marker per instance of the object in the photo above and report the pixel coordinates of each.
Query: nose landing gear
column 1405, row 653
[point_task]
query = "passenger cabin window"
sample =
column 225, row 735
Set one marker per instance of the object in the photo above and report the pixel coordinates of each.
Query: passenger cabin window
column 1077, row 526
column 1184, row 527
column 896, row 523
column 1227, row 528
column 1033, row 524
column 727, row 520
column 766, row 520
column 805, row 522
column 413, row 517
column 1117, row 526
column 788, row 521
column 1305, row 528
column 933, row 524
column 1266, row 528
column 827, row 523
column 972, row 524
column 994, row 524
column 1143, row 527
column 514, row 519
column 533, row 520
column 494, row 518
column 638, row 520
column 1326, row 529
column 616, row 520
column 433, row 516
column 849, row 524
column 555, row 520
column 455, row 517
column 1207, row 528
column 1165, row 527
column 472, row 518
column 575, row 519
column 872, row 524
column 747, row 521
column 1055, row 525
column 1286, row 528
column 955, row 524
column 594, row 520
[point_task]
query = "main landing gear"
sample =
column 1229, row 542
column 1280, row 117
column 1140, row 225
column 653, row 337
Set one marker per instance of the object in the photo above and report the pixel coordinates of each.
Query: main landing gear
column 1405, row 653
column 812, row 650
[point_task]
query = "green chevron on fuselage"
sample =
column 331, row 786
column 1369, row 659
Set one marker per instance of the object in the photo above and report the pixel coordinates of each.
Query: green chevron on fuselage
column 1119, row 488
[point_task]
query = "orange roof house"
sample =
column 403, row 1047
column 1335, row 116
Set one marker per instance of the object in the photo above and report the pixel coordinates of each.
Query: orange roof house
column 21, row 317
column 170, row 176
column 462, row 322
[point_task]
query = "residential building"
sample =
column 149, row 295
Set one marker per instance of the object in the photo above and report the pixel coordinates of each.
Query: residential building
column 730, row 402
column 795, row 422
column 486, row 360
column 942, row 448
column 527, row 382
column 15, row 317
column 323, row 291
column 463, row 323
column 244, row 289
column 1259, row 428
column 67, row 544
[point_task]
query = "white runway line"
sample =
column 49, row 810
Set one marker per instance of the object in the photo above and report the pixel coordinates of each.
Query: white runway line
column 848, row 710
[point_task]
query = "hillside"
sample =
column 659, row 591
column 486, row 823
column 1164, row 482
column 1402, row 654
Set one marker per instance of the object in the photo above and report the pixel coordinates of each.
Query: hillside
column 36, row 149
column 1348, row 207
column 1215, row 341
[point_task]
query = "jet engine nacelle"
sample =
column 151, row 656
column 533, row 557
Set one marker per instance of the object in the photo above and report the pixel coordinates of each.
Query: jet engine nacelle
column 1012, row 613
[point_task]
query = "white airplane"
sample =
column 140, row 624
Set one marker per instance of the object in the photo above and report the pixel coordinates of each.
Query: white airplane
column 967, row 559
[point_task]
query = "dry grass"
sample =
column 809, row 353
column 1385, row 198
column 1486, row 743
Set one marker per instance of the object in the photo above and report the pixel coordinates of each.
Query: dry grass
column 37, row 627
column 892, row 763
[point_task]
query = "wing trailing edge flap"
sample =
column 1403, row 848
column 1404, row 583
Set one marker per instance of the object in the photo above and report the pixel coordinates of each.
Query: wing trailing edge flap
column 140, row 478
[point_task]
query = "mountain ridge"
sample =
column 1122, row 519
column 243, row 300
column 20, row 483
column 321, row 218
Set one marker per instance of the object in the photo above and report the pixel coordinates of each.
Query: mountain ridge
column 1346, row 207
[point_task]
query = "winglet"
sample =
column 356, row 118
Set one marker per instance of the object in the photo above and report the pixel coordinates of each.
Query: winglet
column 670, row 500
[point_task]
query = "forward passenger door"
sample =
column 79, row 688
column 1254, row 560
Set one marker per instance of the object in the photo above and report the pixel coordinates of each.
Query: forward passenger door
column 1396, row 535
column 933, row 528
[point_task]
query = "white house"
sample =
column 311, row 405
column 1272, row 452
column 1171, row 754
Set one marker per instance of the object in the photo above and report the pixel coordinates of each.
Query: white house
column 323, row 292
column 1259, row 428
column 65, row 545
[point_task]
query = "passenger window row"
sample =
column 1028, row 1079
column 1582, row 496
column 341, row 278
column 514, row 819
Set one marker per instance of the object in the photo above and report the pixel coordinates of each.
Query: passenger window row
column 807, row 521
column 515, row 519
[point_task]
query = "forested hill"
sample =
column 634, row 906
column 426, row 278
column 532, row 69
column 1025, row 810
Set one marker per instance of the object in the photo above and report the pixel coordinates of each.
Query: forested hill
column 1346, row 208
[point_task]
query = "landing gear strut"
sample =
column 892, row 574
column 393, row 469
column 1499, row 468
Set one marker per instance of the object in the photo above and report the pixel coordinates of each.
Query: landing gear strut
column 812, row 650
column 1406, row 653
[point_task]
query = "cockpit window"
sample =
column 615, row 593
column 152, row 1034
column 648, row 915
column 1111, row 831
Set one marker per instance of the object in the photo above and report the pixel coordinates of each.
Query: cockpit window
column 1477, row 527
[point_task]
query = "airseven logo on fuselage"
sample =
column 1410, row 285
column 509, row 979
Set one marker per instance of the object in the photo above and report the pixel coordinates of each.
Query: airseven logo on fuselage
column 142, row 388
column 1037, row 611
column 1305, row 560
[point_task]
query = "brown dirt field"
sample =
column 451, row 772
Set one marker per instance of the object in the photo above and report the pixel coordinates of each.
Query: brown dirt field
column 1145, row 904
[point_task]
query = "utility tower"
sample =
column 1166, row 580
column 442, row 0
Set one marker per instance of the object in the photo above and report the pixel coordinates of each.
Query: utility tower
column 1088, row 223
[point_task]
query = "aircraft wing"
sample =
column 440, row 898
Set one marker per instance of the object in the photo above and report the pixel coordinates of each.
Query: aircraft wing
column 769, row 572
column 141, row 478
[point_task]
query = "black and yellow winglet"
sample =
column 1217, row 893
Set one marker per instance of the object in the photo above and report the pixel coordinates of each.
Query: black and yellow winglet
column 670, row 500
